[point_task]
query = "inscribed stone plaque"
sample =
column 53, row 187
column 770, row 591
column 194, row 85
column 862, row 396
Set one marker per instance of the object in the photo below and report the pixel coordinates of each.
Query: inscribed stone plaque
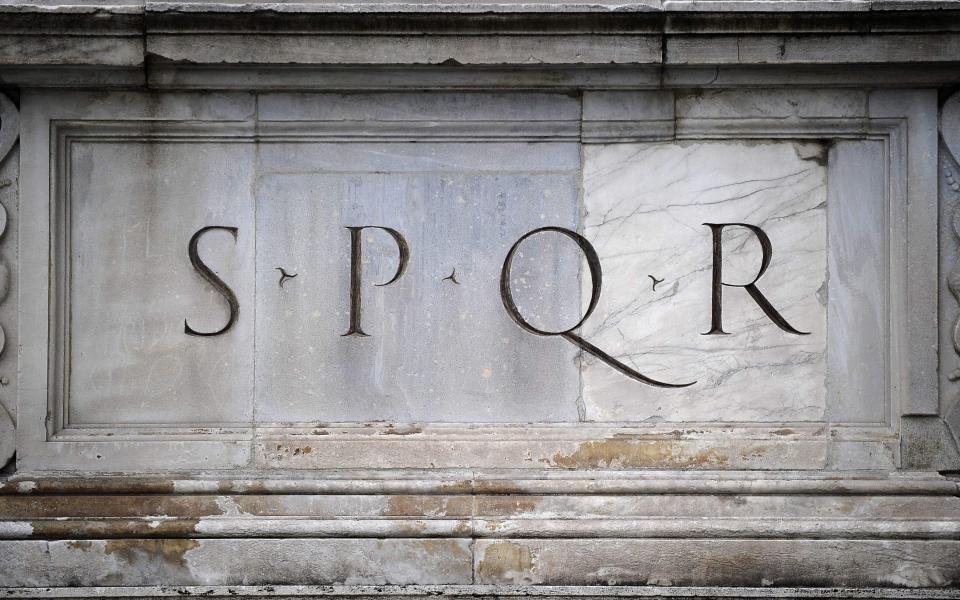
column 438, row 344
column 296, row 282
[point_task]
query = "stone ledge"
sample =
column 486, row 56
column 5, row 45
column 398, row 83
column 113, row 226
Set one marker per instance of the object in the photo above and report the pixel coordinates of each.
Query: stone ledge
column 569, row 482
column 188, row 35
column 478, row 591
column 463, row 561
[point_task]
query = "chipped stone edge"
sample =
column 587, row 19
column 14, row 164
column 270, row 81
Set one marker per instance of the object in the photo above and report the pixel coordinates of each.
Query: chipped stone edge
column 666, row 6
column 473, row 591
column 592, row 482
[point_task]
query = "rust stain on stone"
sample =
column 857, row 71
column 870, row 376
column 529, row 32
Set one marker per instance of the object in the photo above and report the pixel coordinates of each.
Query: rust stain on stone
column 506, row 562
column 169, row 551
column 613, row 453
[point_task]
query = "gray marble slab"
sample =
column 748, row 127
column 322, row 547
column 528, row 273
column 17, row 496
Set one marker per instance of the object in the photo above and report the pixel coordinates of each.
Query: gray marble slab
column 133, row 210
column 437, row 350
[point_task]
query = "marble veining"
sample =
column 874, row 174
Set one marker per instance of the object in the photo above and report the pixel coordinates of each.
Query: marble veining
column 645, row 209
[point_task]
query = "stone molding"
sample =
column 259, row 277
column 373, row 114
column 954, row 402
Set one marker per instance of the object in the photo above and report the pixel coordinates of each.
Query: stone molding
column 357, row 46
column 416, row 592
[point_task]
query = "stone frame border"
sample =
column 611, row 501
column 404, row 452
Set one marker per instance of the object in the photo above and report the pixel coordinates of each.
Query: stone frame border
column 906, row 120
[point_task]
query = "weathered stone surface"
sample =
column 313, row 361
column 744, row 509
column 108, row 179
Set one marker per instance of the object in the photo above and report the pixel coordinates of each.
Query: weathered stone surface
column 452, row 446
column 438, row 349
column 134, row 208
column 224, row 562
column 708, row 562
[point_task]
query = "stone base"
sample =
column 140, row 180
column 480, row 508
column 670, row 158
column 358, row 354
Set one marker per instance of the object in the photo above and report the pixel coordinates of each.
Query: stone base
column 769, row 532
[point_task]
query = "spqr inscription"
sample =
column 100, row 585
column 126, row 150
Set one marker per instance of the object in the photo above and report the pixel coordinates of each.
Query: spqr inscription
column 506, row 293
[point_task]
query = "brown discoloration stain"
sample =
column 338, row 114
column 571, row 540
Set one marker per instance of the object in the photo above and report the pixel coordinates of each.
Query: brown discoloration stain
column 500, row 486
column 259, row 505
column 462, row 527
column 427, row 506
column 286, row 452
column 39, row 507
column 79, row 545
column 111, row 528
column 442, row 548
column 614, row 453
column 676, row 434
column 402, row 430
column 171, row 552
column 494, row 525
column 506, row 562
column 97, row 485
column 412, row 528
column 783, row 431
column 507, row 506
column 459, row 487
column 754, row 452
column 250, row 487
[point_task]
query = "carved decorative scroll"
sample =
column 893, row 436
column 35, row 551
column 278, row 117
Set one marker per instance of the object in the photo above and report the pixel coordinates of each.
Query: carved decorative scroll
column 9, row 132
column 950, row 197
column 950, row 134
column 9, row 126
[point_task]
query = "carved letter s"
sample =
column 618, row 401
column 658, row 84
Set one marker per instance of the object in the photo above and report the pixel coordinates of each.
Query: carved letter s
column 213, row 280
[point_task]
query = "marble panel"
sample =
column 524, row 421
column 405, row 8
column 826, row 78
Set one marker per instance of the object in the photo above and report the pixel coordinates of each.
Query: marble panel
column 439, row 346
column 133, row 207
column 646, row 207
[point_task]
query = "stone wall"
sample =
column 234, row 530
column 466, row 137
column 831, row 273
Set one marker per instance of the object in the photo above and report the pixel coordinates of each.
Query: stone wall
column 580, row 300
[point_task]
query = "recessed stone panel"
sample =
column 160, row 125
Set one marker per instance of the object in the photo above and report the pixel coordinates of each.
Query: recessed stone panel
column 440, row 281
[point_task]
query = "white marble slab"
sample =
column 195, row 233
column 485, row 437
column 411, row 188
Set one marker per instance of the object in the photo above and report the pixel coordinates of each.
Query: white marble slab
column 645, row 208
